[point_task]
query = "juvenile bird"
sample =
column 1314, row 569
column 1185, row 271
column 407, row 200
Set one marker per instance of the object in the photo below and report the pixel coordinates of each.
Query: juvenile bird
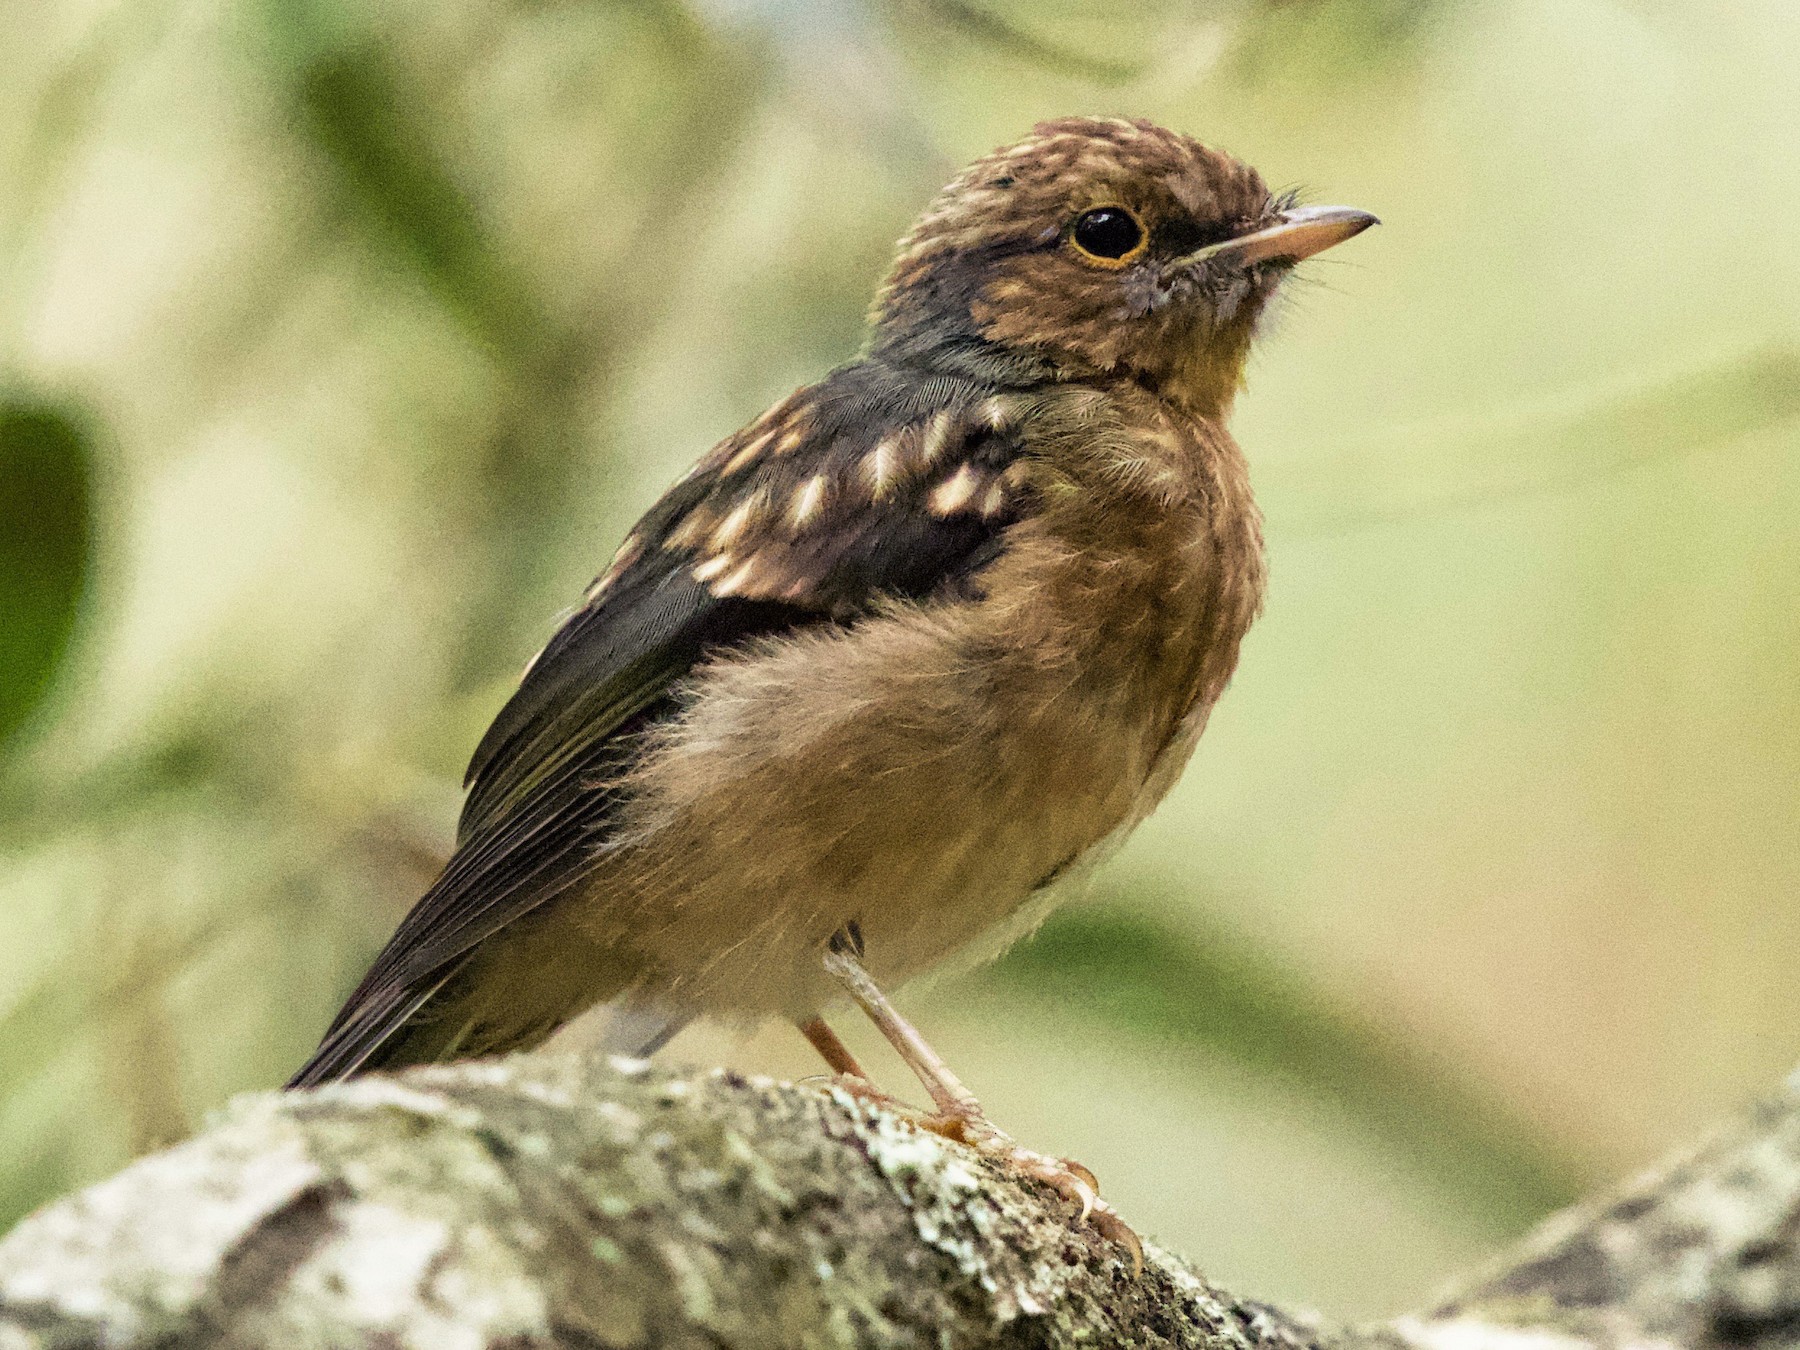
column 891, row 663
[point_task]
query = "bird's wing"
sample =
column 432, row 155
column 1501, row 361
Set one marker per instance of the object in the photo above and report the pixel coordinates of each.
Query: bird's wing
column 854, row 489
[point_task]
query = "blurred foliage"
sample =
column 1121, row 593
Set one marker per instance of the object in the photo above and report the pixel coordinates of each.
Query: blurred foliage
column 1579, row 439
column 395, row 316
column 997, row 31
column 1350, row 35
column 1198, row 991
column 351, row 108
column 46, row 538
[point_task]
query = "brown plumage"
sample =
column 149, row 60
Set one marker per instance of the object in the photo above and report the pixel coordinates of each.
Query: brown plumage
column 897, row 657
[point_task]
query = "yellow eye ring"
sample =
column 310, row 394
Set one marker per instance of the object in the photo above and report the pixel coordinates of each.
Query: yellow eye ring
column 1108, row 236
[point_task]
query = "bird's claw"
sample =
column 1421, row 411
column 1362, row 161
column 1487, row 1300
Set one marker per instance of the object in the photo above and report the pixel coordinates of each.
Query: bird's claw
column 863, row 1090
column 1109, row 1225
column 1082, row 1172
column 1065, row 1176
column 1075, row 1182
column 1071, row 1182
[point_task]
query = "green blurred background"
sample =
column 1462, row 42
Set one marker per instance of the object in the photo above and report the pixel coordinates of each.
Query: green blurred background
column 339, row 344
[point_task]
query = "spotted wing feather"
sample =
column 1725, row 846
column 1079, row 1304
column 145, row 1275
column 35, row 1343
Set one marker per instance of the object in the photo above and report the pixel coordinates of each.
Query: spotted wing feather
column 861, row 487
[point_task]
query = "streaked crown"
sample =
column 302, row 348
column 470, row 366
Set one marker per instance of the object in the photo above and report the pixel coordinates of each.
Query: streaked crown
column 1092, row 246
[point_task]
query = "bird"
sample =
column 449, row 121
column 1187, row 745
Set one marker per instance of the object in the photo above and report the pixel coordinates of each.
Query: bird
column 890, row 668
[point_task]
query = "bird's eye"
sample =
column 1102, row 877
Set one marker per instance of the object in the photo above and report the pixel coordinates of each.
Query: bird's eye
column 1108, row 234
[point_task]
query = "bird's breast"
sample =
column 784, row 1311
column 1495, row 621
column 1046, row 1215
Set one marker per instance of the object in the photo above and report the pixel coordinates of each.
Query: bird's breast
column 928, row 769
column 1154, row 563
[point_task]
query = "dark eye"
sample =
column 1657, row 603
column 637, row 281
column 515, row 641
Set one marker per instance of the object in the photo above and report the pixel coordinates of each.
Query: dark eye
column 1108, row 233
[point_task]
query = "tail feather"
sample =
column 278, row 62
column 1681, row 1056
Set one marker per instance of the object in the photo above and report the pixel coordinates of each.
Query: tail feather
column 509, row 994
column 367, row 1038
column 639, row 1030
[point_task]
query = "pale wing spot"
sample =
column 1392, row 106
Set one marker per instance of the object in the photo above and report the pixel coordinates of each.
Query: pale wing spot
column 808, row 500
column 736, row 581
column 748, row 455
column 795, row 438
column 692, row 528
column 955, row 492
column 713, row 566
column 997, row 412
column 993, row 501
column 741, row 517
column 937, row 437
column 881, row 466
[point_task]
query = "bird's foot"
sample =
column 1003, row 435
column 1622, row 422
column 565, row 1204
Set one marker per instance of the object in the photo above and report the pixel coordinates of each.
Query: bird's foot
column 1065, row 1176
column 959, row 1115
column 855, row 1085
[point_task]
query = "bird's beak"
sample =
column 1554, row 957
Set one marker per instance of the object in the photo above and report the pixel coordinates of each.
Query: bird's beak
column 1299, row 232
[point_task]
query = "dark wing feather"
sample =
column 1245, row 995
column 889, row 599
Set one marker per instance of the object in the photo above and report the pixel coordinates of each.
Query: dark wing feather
column 852, row 490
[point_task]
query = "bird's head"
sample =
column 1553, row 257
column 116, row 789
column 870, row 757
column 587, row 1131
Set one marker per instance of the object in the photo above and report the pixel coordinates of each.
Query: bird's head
column 1100, row 246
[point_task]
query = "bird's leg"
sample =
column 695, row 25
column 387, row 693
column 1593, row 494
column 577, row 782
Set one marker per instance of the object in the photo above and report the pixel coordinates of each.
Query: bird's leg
column 955, row 1103
column 833, row 1051
column 959, row 1115
column 851, row 1076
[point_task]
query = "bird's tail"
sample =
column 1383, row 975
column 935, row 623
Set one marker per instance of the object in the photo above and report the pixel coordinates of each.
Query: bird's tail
column 511, row 993
column 638, row 1030
column 380, row 1031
